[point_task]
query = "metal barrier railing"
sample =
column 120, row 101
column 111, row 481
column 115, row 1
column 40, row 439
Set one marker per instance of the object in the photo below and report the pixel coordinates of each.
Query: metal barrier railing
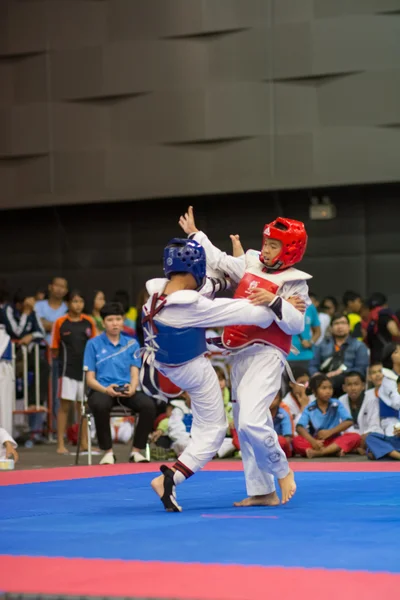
column 37, row 407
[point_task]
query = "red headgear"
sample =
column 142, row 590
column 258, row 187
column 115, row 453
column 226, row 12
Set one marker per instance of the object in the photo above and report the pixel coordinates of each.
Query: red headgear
column 293, row 236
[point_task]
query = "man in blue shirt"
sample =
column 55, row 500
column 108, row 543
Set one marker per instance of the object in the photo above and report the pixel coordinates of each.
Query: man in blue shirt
column 113, row 376
column 322, row 424
column 338, row 353
column 303, row 343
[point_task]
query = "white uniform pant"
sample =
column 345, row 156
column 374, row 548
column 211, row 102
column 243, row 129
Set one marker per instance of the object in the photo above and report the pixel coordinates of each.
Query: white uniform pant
column 199, row 379
column 7, row 384
column 256, row 379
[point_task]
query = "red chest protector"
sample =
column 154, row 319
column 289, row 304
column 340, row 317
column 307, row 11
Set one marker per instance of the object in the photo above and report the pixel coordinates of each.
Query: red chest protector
column 240, row 336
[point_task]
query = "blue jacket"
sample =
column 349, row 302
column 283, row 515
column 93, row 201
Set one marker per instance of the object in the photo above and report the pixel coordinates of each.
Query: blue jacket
column 355, row 355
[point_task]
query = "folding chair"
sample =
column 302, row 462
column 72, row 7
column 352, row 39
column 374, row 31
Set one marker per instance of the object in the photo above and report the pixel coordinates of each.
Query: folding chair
column 116, row 411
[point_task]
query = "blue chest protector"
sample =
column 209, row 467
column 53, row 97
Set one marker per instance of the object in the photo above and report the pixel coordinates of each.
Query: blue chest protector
column 173, row 345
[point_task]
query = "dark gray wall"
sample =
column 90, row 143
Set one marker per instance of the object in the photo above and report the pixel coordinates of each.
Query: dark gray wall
column 120, row 245
column 130, row 99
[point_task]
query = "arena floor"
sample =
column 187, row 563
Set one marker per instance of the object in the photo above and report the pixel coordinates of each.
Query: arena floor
column 101, row 531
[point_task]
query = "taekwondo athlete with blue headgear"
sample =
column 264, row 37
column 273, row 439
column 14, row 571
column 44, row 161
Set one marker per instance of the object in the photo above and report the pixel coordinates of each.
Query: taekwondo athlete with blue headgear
column 175, row 319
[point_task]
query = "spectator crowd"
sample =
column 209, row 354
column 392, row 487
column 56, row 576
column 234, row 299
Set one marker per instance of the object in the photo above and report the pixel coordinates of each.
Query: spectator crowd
column 342, row 395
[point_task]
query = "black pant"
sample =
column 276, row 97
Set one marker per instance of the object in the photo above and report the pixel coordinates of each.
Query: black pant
column 101, row 404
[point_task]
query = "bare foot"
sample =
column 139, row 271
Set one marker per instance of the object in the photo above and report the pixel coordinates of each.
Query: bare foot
column 266, row 500
column 169, row 502
column 342, row 453
column 63, row 450
column 288, row 487
column 361, row 451
column 311, row 453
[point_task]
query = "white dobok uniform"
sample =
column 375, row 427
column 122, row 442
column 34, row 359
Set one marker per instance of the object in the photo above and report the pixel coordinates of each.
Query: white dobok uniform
column 5, row 437
column 187, row 310
column 258, row 362
column 389, row 394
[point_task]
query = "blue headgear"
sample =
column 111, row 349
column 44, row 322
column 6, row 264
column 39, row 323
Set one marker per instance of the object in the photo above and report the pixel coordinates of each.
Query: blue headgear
column 185, row 256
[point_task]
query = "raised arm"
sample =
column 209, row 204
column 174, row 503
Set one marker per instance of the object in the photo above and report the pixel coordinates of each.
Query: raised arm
column 217, row 260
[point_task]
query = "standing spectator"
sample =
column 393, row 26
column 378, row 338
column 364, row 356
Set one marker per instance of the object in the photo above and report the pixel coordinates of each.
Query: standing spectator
column 339, row 352
column 304, row 342
column 99, row 301
column 321, row 426
column 352, row 307
column 113, row 377
column 131, row 314
column 25, row 328
column 53, row 308
column 40, row 294
column 383, row 326
column 282, row 425
column 49, row 311
column 70, row 335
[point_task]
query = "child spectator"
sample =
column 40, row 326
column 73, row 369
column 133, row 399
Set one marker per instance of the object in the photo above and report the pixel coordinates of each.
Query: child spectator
column 322, row 424
column 70, row 335
column 99, row 301
column 296, row 399
column 389, row 404
column 363, row 407
column 282, row 425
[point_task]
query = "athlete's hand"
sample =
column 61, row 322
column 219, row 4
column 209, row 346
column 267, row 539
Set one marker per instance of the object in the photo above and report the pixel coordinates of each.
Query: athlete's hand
column 298, row 303
column 259, row 296
column 324, row 434
column 187, row 223
column 237, row 248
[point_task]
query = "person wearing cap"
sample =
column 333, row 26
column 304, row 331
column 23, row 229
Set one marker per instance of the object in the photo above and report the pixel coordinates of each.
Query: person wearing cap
column 113, row 364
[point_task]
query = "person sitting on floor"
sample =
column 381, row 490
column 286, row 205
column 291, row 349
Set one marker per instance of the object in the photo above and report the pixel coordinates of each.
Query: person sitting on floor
column 296, row 399
column 282, row 425
column 389, row 405
column 363, row 407
column 322, row 425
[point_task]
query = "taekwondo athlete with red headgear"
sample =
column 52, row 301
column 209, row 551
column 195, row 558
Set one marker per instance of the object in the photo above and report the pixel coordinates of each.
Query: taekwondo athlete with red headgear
column 259, row 355
column 175, row 319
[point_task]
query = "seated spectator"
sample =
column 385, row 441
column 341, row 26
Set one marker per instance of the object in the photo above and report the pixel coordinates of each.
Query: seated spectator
column 130, row 316
column 352, row 306
column 384, row 446
column 70, row 335
column 113, row 377
column 329, row 306
column 383, row 326
column 324, row 319
column 99, row 301
column 297, row 399
column 338, row 353
column 322, row 425
column 8, row 446
column 302, row 344
column 282, row 425
column 363, row 407
column 389, row 404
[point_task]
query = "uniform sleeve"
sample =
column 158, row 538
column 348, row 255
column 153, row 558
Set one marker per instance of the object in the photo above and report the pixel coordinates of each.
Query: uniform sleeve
column 286, row 425
column 13, row 328
column 287, row 317
column 388, row 393
column 304, row 420
column 89, row 359
column 343, row 413
column 221, row 261
column 6, row 437
column 212, row 286
column 373, row 418
column 55, row 334
column 38, row 332
column 136, row 361
column 206, row 313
